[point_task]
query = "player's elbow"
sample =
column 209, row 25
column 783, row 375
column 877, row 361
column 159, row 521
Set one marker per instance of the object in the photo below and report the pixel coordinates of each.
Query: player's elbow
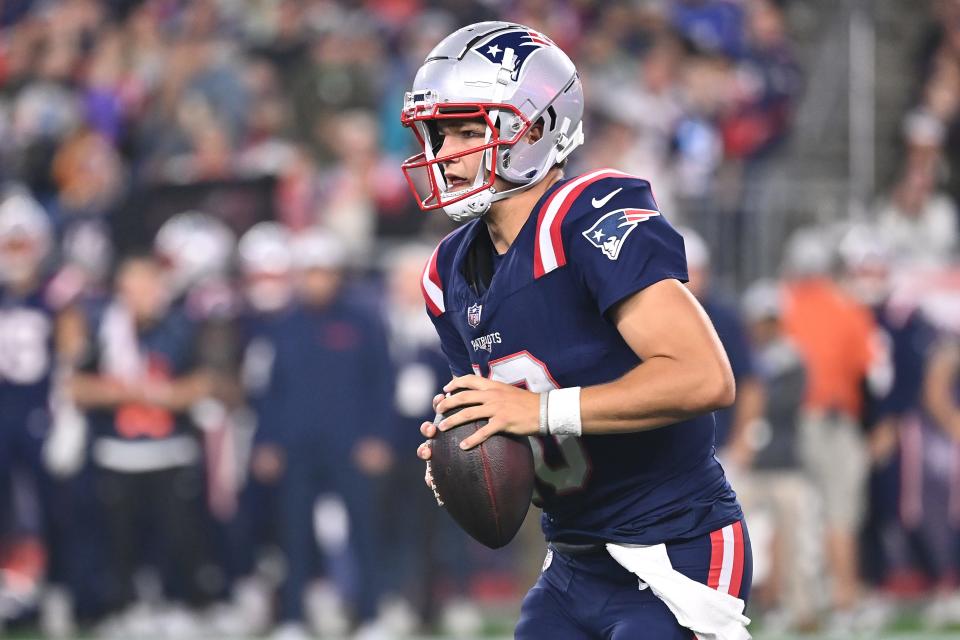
column 718, row 390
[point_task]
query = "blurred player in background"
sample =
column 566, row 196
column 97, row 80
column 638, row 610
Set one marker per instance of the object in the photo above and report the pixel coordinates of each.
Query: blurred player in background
column 431, row 567
column 839, row 341
column 332, row 375
column 776, row 492
column 40, row 336
column 734, row 425
column 561, row 312
column 137, row 382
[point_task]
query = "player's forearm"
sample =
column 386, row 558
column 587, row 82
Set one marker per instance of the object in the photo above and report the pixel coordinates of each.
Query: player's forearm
column 658, row 392
column 97, row 392
column 181, row 393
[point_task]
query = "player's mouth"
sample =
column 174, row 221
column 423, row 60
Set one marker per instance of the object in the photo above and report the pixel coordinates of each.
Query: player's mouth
column 456, row 183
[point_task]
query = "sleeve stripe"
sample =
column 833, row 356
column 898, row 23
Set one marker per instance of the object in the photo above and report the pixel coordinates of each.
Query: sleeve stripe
column 431, row 286
column 548, row 251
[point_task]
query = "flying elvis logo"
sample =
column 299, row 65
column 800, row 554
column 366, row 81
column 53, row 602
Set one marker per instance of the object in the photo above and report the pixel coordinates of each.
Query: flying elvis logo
column 610, row 232
column 522, row 42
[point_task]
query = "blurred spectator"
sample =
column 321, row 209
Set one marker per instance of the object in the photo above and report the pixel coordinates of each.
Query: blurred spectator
column 767, row 85
column 733, row 424
column 777, row 492
column 837, row 338
column 137, row 383
column 363, row 190
column 713, row 25
column 918, row 222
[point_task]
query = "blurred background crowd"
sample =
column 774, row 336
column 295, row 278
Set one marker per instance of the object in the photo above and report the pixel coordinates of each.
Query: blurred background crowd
column 213, row 350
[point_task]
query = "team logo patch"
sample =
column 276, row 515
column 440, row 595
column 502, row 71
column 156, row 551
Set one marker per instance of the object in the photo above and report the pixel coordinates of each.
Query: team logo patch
column 610, row 232
column 523, row 43
column 473, row 315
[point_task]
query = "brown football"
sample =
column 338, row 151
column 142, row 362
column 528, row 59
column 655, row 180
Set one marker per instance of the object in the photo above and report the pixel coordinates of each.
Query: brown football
column 487, row 489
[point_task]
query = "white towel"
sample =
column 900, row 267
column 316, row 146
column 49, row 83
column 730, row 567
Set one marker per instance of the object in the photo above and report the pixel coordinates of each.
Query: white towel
column 120, row 353
column 710, row 614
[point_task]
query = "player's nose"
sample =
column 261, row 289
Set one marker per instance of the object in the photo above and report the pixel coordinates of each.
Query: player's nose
column 448, row 147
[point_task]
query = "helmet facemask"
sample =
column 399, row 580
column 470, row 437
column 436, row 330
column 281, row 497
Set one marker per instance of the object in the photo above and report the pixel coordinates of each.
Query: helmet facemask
column 425, row 171
column 509, row 78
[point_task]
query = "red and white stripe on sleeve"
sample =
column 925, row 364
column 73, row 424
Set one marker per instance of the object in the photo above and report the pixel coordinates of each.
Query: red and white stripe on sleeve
column 431, row 285
column 548, row 253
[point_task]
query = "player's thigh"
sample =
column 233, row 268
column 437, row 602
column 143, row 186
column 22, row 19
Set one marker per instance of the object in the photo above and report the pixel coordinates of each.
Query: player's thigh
column 545, row 616
column 640, row 615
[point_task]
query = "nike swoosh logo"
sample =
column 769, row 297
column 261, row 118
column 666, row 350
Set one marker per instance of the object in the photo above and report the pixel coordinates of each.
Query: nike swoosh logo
column 604, row 200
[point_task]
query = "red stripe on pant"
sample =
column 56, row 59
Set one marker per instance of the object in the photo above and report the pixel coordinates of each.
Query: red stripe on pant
column 716, row 558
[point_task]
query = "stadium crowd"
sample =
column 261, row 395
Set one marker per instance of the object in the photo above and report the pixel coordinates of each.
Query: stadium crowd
column 214, row 354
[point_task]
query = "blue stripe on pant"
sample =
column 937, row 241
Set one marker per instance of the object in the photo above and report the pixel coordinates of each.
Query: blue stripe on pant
column 591, row 597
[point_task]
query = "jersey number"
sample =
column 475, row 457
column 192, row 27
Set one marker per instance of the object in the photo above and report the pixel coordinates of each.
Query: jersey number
column 522, row 369
column 24, row 346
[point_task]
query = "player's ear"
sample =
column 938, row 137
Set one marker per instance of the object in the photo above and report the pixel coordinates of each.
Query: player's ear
column 536, row 132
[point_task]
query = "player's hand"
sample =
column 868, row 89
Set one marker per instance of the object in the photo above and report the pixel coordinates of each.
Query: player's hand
column 373, row 456
column 429, row 430
column 268, row 463
column 507, row 409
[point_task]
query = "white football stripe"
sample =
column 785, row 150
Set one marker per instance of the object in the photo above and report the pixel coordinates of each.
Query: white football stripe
column 726, row 569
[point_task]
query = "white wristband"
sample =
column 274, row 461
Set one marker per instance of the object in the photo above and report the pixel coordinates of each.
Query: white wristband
column 543, row 414
column 563, row 412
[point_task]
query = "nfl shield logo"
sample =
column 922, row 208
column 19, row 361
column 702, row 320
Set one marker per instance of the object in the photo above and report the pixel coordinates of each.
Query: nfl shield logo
column 473, row 315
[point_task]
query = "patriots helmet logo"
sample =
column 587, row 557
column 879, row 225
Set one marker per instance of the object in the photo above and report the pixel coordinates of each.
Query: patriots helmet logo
column 523, row 42
column 610, row 232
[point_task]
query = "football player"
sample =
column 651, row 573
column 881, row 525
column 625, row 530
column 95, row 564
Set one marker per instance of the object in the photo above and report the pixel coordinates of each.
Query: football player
column 38, row 335
column 561, row 310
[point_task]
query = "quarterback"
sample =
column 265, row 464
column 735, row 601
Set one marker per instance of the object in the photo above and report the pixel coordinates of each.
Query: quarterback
column 561, row 309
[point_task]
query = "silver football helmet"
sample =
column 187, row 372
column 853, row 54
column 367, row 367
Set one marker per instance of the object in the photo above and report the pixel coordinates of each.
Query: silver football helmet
column 26, row 235
column 266, row 263
column 194, row 246
column 510, row 77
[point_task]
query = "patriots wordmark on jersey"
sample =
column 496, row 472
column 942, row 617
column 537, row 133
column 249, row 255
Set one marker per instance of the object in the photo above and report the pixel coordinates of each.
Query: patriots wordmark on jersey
column 537, row 317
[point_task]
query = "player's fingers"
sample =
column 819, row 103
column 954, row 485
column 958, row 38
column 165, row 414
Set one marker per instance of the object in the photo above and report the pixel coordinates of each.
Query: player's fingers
column 459, row 400
column 424, row 452
column 463, row 417
column 436, row 400
column 478, row 437
column 428, row 430
column 467, row 382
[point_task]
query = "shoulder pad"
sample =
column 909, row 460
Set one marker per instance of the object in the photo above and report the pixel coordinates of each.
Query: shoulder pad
column 592, row 193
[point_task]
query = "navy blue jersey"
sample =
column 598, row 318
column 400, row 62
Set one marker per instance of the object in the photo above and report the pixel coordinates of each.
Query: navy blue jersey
column 26, row 355
column 542, row 323
column 331, row 382
column 166, row 351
